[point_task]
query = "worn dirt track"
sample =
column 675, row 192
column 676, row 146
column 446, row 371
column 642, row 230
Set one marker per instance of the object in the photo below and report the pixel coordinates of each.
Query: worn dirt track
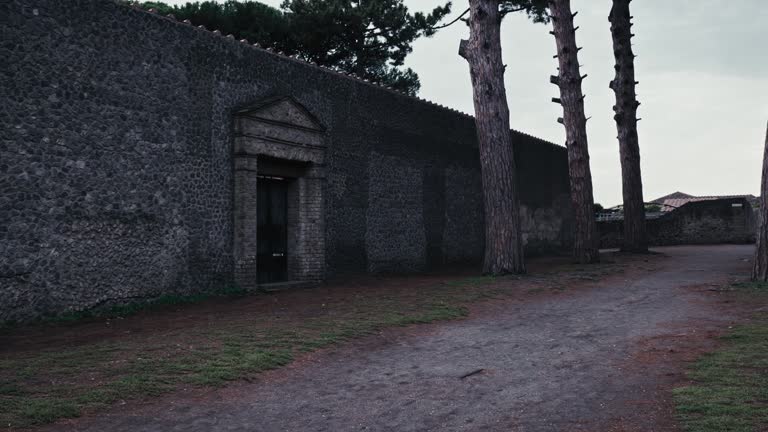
column 600, row 359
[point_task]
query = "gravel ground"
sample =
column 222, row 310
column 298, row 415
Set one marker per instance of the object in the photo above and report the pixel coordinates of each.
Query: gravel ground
column 560, row 363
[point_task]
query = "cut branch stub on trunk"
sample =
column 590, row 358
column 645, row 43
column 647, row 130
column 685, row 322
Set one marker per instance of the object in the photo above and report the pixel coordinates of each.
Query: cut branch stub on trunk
column 574, row 120
column 503, row 237
column 623, row 85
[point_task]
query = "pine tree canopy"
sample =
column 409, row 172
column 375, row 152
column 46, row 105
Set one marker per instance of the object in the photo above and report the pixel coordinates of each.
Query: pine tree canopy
column 368, row 38
column 536, row 9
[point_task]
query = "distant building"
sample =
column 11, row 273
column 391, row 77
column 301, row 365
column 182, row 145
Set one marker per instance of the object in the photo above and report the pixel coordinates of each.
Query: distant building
column 680, row 218
column 678, row 199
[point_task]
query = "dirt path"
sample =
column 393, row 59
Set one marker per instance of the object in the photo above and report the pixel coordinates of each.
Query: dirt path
column 586, row 361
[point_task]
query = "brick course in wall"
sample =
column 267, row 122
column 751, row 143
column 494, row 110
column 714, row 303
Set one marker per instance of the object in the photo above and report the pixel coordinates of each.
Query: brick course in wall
column 124, row 176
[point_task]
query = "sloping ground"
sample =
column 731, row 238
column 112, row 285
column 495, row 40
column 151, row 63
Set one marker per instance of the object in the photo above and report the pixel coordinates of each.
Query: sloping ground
column 728, row 388
column 59, row 370
column 603, row 357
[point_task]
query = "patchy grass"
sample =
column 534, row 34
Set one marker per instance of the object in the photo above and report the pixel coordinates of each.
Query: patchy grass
column 44, row 384
column 730, row 386
column 752, row 287
column 471, row 281
column 100, row 374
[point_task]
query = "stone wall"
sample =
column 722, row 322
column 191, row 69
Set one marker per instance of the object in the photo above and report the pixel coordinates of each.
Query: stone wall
column 117, row 177
column 701, row 222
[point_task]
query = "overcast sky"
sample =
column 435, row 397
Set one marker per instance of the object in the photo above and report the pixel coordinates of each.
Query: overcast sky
column 703, row 72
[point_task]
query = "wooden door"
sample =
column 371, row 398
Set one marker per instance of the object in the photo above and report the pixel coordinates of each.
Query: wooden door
column 272, row 230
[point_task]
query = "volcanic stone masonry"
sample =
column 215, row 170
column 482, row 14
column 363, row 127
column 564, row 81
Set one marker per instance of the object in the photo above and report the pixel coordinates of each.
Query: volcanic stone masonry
column 717, row 221
column 133, row 147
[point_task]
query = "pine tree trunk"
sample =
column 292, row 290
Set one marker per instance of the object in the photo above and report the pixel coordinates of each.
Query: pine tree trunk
column 569, row 81
column 503, row 238
column 760, row 271
column 623, row 85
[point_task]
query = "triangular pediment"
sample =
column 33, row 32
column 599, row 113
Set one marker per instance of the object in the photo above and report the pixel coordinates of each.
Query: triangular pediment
column 286, row 111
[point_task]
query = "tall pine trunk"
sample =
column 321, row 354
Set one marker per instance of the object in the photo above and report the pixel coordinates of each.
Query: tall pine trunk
column 760, row 271
column 635, row 239
column 572, row 100
column 503, row 238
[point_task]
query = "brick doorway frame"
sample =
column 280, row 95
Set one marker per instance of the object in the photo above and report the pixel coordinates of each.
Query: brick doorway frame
column 279, row 137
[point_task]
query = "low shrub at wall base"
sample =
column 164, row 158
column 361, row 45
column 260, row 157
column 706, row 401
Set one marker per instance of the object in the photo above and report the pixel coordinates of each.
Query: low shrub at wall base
column 116, row 308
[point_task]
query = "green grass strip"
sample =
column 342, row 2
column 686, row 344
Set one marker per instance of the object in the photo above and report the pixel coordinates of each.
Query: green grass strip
column 730, row 386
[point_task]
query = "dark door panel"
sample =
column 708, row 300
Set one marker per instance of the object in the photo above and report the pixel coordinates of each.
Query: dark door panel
column 272, row 240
